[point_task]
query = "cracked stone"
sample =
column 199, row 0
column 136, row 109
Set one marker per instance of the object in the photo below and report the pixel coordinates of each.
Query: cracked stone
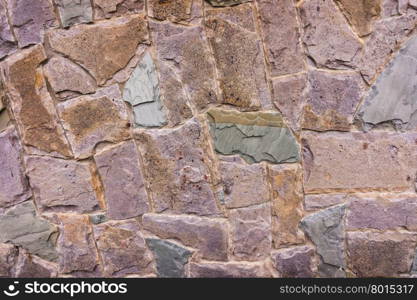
column 74, row 12
column 123, row 182
column 7, row 40
column 226, row 2
column 105, row 9
column 61, row 185
column 30, row 266
column 182, row 11
column 255, row 136
column 207, row 235
column 8, row 257
column 228, row 270
column 295, row 262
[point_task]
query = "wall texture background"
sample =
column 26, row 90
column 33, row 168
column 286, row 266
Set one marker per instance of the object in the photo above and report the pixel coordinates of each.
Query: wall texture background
column 218, row 138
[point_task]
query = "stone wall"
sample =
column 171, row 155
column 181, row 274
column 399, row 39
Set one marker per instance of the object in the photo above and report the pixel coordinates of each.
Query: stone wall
column 218, row 138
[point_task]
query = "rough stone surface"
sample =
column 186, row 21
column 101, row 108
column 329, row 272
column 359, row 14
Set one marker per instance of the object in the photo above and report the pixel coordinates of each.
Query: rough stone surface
column 122, row 248
column 313, row 202
column 7, row 40
column 103, row 48
column 170, row 258
column 30, row 266
column 207, row 235
column 123, row 182
column 109, row 8
column 365, row 250
column 22, row 227
column 8, row 259
column 260, row 136
column 228, row 270
column 74, row 12
column 294, row 262
column 176, row 165
column 14, row 186
column 226, row 2
column 181, row 11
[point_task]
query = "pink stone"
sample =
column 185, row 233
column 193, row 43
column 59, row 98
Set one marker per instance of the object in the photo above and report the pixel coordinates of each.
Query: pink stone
column 31, row 266
column 228, row 270
column 294, row 262
column 7, row 40
column 8, row 258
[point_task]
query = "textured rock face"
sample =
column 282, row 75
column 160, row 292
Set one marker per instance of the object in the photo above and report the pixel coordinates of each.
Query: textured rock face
column 174, row 10
column 7, row 40
column 228, row 270
column 109, row 8
column 8, row 258
column 29, row 266
column 254, row 136
column 207, row 235
column 313, row 202
column 294, row 262
column 226, row 2
column 123, row 182
column 74, row 12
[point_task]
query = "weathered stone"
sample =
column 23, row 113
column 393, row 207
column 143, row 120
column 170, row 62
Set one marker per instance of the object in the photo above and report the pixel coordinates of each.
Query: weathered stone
column 287, row 203
column 382, row 213
column 207, row 235
column 142, row 92
column 185, row 51
column 251, row 232
column 335, row 162
column 68, row 79
column 77, row 251
column 325, row 228
column 98, row 218
column 8, row 258
column 181, row 11
column 255, row 136
column 331, row 102
column 30, row 18
column 313, row 202
column 4, row 120
column 228, row 270
column 226, row 2
column 90, row 120
column 170, row 258
column 373, row 254
column 74, row 12
column 122, row 248
column 32, row 106
column 123, row 182
column 389, row 8
column 14, row 187
column 30, row 266
column 22, row 227
column 391, row 98
column 294, row 262
column 240, row 62
column 103, row 48
column 109, row 8
column 177, row 167
column 361, row 13
column 7, row 40
column 240, row 16
column 281, row 36
column 327, row 36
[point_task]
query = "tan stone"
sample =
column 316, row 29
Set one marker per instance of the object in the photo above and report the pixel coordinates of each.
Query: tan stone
column 181, row 11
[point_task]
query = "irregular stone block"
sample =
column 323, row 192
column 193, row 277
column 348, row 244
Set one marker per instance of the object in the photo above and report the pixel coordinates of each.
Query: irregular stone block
column 287, row 205
column 170, row 258
column 122, row 248
column 30, row 18
column 391, row 98
column 296, row 262
column 22, row 227
column 241, row 16
column 226, row 2
column 255, row 136
column 186, row 52
column 68, row 79
column 177, row 168
column 182, row 11
column 325, row 228
column 228, row 270
column 32, row 106
column 103, row 48
column 373, row 254
column 239, row 180
column 313, row 202
column 382, row 213
column 331, row 102
column 327, row 36
column 336, row 162
column 90, row 120
column 7, row 40
column 109, row 8
column 123, row 182
column 8, row 258
column 142, row 92
column 361, row 13
column 61, row 185
column 77, row 251
column 14, row 186
column 281, row 36
column 207, row 235
column 251, row 232
column 240, row 62
column 30, row 266
column 74, row 12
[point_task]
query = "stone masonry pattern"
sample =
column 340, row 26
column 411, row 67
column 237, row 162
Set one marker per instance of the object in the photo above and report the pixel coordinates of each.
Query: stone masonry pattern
column 208, row 138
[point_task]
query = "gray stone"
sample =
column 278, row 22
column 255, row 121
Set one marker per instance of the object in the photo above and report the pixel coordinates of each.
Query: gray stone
column 31, row 266
column 74, row 12
column 7, row 40
column 294, row 262
column 116, row 8
column 226, row 2
column 98, row 219
column 170, row 258
column 142, row 92
column 22, row 227
column 414, row 267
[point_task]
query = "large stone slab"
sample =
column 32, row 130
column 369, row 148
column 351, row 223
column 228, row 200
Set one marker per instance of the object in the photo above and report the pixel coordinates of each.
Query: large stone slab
column 181, row 11
column 7, row 40
column 177, row 166
column 74, row 12
column 281, row 35
column 327, row 36
column 32, row 106
column 103, row 48
column 123, row 182
column 336, row 162
column 255, row 136
column 14, row 187
column 209, row 236
column 61, row 185
column 110, row 8
column 228, row 270
column 296, row 262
